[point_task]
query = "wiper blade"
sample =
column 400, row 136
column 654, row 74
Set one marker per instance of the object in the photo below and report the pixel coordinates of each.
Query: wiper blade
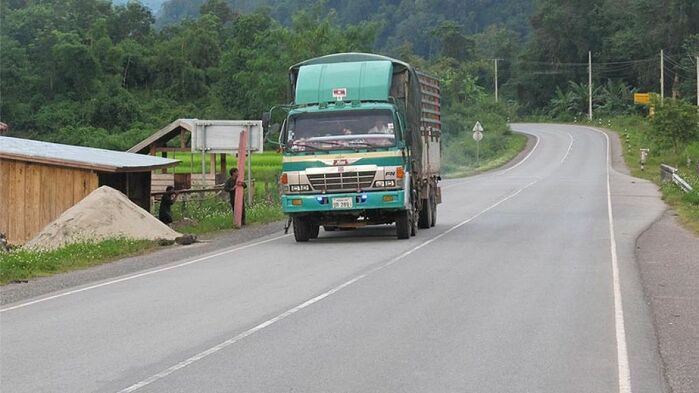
column 315, row 148
column 368, row 144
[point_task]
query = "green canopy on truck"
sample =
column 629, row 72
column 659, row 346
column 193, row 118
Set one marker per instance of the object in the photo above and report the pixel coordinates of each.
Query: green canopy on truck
column 354, row 81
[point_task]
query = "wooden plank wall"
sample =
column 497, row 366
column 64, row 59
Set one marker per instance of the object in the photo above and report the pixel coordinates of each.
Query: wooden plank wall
column 160, row 181
column 32, row 195
column 206, row 181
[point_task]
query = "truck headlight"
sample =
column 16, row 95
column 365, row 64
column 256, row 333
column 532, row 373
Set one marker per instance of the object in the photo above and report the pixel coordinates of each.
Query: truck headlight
column 299, row 187
column 384, row 183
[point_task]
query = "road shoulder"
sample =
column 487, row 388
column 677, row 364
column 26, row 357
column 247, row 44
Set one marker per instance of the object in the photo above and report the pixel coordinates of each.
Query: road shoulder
column 16, row 292
column 666, row 255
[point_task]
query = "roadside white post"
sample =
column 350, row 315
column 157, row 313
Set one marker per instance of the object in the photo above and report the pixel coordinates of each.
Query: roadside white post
column 496, row 79
column 477, row 136
column 644, row 157
column 662, row 76
column 589, row 82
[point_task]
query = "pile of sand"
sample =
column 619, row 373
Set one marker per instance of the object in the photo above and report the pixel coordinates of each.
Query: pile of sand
column 105, row 213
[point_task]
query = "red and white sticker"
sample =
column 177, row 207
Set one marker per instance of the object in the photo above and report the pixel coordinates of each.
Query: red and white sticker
column 339, row 93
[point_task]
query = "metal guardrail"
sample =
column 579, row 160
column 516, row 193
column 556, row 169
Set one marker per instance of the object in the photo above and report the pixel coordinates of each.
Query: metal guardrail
column 668, row 173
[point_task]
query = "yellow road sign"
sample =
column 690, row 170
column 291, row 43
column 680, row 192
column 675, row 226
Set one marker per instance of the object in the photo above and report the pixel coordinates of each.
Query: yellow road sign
column 641, row 98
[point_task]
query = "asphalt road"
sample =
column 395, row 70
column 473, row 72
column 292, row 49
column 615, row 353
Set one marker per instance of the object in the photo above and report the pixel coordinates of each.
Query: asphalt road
column 521, row 287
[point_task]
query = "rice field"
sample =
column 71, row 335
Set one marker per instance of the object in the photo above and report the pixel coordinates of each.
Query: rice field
column 266, row 166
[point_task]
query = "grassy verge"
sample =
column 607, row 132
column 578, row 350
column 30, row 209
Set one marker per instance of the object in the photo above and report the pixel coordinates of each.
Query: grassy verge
column 633, row 132
column 515, row 144
column 214, row 214
column 22, row 265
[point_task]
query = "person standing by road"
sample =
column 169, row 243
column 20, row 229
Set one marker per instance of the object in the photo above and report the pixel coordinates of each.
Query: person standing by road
column 165, row 211
column 230, row 187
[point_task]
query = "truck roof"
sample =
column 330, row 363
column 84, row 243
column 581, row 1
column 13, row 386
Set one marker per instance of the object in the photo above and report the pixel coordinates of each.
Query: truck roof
column 347, row 81
column 350, row 57
column 368, row 77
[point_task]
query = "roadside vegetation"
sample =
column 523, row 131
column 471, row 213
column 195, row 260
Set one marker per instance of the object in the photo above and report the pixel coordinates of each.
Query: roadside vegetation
column 210, row 212
column 214, row 214
column 636, row 132
column 21, row 265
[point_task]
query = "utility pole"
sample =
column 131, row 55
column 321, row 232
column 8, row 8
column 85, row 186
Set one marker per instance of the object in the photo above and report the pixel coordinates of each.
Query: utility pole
column 662, row 75
column 697, row 80
column 589, row 83
column 496, row 79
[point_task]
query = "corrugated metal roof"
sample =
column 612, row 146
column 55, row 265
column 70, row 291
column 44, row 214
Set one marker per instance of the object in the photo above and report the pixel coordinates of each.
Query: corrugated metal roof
column 80, row 157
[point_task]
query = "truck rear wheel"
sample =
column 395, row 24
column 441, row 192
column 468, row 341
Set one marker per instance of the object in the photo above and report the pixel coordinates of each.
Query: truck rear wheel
column 434, row 213
column 403, row 225
column 425, row 216
column 302, row 229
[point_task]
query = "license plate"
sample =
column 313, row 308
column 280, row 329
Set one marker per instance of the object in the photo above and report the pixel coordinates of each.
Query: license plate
column 342, row 203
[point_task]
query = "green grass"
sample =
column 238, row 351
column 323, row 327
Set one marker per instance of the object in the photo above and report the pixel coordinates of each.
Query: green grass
column 515, row 144
column 265, row 166
column 214, row 214
column 20, row 265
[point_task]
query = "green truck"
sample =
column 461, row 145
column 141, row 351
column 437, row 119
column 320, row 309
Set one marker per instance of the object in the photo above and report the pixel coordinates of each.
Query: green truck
column 361, row 145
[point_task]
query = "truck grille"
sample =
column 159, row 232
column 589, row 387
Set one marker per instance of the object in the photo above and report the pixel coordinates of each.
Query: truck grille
column 346, row 181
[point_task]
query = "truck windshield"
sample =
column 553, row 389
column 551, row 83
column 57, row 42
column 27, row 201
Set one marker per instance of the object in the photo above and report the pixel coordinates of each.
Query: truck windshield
column 337, row 130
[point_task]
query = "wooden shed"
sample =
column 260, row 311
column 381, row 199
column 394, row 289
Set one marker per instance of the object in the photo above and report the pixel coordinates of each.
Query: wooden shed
column 40, row 180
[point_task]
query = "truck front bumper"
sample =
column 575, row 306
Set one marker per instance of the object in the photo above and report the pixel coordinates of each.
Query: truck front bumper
column 312, row 203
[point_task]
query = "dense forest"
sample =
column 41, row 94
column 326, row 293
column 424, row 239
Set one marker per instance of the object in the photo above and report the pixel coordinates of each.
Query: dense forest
column 96, row 73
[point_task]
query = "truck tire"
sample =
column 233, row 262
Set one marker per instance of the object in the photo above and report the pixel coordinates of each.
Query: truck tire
column 302, row 229
column 315, row 229
column 434, row 213
column 425, row 216
column 403, row 225
column 414, row 222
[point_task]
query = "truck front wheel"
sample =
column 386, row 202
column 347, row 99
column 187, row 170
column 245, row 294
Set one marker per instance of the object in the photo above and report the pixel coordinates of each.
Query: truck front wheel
column 315, row 229
column 302, row 229
column 403, row 225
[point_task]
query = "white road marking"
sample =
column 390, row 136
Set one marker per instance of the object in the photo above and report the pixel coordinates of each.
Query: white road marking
column 524, row 159
column 147, row 273
column 621, row 351
column 464, row 181
column 307, row 303
column 569, row 147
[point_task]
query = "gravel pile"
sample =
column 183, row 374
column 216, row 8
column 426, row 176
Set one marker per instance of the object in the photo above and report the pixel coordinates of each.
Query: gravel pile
column 105, row 213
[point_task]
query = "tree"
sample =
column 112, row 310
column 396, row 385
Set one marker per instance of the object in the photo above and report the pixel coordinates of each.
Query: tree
column 675, row 124
column 75, row 66
column 218, row 8
column 454, row 43
column 133, row 20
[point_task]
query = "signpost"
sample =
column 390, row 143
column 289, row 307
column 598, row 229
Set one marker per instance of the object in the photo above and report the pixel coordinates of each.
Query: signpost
column 477, row 136
column 239, row 189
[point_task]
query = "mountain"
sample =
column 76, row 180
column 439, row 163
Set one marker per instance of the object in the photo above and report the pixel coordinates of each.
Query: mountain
column 404, row 21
